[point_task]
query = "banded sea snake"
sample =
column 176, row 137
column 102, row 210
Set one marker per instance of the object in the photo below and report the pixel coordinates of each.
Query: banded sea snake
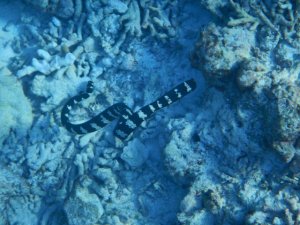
column 128, row 120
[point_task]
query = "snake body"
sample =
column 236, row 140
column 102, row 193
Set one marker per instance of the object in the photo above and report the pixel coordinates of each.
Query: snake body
column 128, row 120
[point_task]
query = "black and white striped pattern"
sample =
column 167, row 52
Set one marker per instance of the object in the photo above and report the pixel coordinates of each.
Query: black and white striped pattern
column 128, row 120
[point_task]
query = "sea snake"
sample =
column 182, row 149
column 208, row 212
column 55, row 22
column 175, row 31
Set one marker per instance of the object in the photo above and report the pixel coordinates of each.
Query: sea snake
column 128, row 120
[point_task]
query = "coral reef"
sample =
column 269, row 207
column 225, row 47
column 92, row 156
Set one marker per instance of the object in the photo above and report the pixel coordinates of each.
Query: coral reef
column 135, row 19
column 262, row 61
column 75, row 179
column 206, row 161
column 214, row 156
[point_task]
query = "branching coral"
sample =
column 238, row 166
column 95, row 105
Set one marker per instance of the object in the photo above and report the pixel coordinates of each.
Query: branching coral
column 157, row 20
column 143, row 16
column 242, row 17
column 281, row 16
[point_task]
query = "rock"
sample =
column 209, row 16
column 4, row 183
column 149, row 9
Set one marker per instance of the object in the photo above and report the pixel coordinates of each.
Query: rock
column 83, row 208
column 220, row 50
column 135, row 153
